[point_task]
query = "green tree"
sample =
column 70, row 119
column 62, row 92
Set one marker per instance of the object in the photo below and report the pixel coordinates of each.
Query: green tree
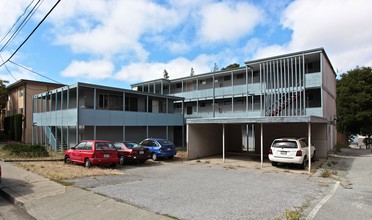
column 231, row 66
column 3, row 95
column 354, row 102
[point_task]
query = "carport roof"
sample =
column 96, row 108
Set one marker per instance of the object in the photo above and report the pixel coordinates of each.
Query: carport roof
column 258, row 120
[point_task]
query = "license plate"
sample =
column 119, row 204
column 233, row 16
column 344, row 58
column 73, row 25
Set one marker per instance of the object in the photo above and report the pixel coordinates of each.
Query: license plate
column 169, row 149
column 283, row 152
column 141, row 152
column 106, row 155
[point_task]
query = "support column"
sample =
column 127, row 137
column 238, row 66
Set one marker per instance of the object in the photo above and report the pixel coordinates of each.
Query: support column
column 223, row 143
column 261, row 145
column 309, row 145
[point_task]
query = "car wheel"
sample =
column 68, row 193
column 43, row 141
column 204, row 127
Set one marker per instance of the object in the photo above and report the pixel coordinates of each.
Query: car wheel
column 171, row 157
column 274, row 164
column 121, row 160
column 87, row 163
column 313, row 159
column 154, row 156
column 304, row 163
column 67, row 159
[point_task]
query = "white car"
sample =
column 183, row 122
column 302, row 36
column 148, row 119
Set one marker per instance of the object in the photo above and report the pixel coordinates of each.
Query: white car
column 291, row 150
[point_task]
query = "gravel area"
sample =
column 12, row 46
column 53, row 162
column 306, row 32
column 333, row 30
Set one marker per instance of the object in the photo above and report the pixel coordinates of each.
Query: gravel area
column 187, row 190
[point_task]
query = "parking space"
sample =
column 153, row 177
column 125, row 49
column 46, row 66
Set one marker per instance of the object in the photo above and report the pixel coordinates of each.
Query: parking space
column 210, row 189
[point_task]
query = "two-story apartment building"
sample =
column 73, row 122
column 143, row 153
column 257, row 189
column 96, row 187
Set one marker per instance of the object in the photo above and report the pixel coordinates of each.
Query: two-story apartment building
column 244, row 109
column 20, row 96
column 64, row 116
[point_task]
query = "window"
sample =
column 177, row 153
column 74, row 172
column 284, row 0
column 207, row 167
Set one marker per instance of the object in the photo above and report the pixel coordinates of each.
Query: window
column 227, row 78
column 227, row 102
column 202, row 105
column 179, row 85
column 21, row 92
column 240, row 76
column 103, row 101
column 178, row 105
column 202, row 82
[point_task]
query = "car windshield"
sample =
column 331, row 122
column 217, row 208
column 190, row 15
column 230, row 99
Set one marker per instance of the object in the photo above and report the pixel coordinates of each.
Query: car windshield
column 285, row 144
column 130, row 145
column 104, row 146
column 164, row 142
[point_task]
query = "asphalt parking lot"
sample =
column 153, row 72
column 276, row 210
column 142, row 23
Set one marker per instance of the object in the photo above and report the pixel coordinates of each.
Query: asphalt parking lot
column 206, row 189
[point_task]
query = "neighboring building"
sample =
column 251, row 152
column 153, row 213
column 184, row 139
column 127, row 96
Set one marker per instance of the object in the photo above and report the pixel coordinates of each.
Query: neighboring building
column 20, row 99
column 245, row 109
column 63, row 117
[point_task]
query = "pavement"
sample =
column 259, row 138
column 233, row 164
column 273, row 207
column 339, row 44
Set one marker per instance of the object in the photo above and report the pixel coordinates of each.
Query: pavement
column 42, row 198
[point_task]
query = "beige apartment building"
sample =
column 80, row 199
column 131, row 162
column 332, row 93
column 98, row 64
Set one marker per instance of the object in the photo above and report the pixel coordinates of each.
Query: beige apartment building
column 20, row 102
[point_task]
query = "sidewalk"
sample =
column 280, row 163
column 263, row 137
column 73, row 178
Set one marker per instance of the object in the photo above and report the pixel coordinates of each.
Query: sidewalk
column 45, row 199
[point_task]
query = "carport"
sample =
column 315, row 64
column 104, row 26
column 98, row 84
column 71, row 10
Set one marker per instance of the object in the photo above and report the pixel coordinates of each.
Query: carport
column 217, row 136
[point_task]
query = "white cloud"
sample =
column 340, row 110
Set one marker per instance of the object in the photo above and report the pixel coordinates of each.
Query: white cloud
column 95, row 69
column 341, row 27
column 177, row 68
column 116, row 28
column 224, row 21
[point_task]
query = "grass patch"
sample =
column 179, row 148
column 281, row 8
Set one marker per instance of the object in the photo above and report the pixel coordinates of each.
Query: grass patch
column 25, row 151
column 328, row 173
column 59, row 171
column 293, row 214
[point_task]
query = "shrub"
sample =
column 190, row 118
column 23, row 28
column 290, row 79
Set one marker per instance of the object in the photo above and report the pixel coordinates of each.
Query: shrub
column 25, row 150
column 18, row 127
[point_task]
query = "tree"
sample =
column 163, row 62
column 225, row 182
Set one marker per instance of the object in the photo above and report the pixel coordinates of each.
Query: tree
column 354, row 102
column 3, row 95
column 231, row 66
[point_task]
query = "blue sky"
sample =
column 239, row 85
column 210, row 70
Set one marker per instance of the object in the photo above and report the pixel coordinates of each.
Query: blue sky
column 121, row 42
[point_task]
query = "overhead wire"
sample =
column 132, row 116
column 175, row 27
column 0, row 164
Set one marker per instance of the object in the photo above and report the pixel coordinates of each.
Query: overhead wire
column 38, row 25
column 11, row 28
column 34, row 72
column 7, row 68
column 23, row 23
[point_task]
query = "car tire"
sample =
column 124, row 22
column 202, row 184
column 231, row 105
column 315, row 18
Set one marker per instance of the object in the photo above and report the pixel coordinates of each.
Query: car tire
column 313, row 158
column 154, row 156
column 67, row 159
column 87, row 163
column 274, row 164
column 121, row 160
column 171, row 157
column 304, row 163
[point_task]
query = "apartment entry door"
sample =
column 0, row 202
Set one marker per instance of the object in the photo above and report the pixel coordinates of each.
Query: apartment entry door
column 248, row 138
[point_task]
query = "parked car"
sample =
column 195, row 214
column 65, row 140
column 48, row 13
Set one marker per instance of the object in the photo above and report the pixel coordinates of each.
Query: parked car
column 291, row 150
column 159, row 148
column 93, row 152
column 131, row 151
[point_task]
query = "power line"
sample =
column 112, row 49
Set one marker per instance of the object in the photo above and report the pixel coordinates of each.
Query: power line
column 34, row 72
column 21, row 25
column 7, row 68
column 24, row 12
column 31, row 33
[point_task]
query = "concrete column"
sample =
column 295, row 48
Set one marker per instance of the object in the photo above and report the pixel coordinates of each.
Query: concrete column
column 261, row 145
column 223, row 143
column 309, row 145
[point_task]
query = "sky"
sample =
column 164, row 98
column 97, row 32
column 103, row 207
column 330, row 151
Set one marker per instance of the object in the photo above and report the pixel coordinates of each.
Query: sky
column 121, row 42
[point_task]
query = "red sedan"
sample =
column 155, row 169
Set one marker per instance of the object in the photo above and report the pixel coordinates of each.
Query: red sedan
column 93, row 152
column 130, row 151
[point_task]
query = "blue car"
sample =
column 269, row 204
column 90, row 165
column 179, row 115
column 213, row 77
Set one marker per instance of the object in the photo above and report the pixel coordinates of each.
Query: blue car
column 159, row 148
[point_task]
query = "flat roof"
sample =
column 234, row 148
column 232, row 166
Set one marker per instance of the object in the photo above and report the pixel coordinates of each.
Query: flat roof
column 258, row 120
